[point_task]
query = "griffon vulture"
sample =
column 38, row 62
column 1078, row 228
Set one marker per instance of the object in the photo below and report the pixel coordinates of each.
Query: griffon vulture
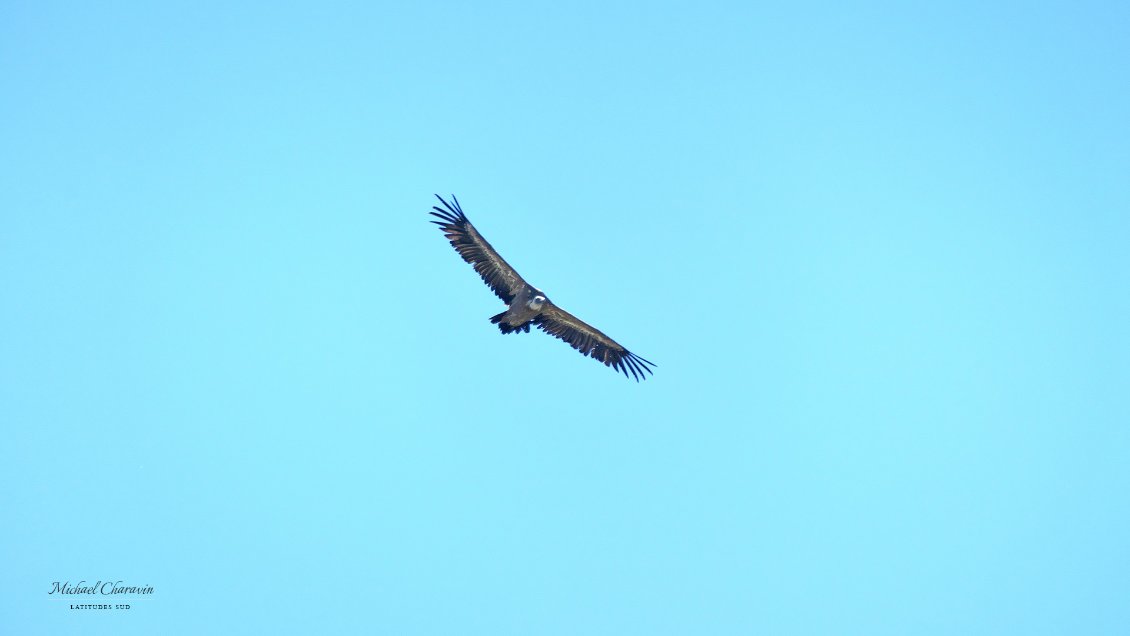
column 528, row 305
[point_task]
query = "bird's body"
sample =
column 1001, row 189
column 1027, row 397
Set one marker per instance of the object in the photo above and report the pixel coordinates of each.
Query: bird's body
column 527, row 305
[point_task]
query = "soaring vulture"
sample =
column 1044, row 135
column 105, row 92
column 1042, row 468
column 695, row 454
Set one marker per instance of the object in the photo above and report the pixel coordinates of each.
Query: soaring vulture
column 528, row 305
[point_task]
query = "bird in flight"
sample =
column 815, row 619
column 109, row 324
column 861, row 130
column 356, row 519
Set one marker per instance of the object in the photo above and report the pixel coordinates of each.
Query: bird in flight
column 528, row 305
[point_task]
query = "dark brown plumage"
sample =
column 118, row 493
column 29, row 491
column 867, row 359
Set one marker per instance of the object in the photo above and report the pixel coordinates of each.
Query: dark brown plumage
column 527, row 304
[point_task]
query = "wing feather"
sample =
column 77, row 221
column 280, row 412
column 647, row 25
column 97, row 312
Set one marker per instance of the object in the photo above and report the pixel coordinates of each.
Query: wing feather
column 591, row 342
column 473, row 248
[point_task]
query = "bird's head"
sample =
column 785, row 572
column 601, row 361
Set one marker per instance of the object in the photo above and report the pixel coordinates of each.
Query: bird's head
column 537, row 302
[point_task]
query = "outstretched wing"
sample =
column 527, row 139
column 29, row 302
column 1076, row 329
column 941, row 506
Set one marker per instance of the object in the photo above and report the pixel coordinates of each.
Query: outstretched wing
column 474, row 249
column 590, row 341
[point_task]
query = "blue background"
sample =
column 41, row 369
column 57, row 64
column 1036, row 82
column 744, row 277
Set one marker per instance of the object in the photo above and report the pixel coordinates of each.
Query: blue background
column 879, row 252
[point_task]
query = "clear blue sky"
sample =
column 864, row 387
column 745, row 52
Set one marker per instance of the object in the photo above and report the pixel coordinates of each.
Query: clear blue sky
column 880, row 253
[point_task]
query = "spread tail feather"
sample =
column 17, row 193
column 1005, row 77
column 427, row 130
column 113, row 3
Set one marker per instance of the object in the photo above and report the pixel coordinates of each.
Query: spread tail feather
column 506, row 327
